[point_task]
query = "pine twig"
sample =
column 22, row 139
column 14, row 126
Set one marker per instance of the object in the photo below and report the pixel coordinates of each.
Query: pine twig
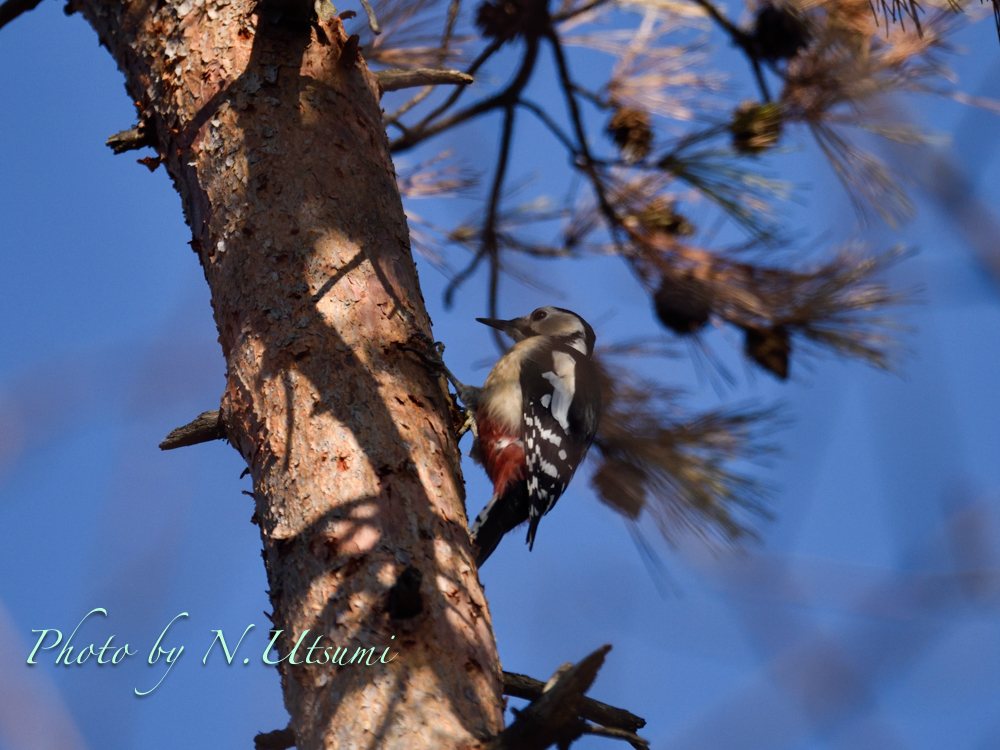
column 491, row 247
column 554, row 717
column 618, row 734
column 425, row 129
column 280, row 739
column 442, row 58
column 207, row 427
column 372, row 20
column 573, row 13
column 528, row 688
column 586, row 163
column 485, row 55
column 136, row 137
column 542, row 115
column 395, row 79
column 740, row 39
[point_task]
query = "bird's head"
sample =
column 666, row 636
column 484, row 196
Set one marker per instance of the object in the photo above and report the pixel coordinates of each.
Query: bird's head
column 555, row 322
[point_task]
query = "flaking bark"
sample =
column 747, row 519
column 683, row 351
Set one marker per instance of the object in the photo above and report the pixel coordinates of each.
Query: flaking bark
column 282, row 164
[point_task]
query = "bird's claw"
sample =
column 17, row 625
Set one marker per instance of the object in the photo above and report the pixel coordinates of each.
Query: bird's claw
column 433, row 359
column 469, row 425
column 435, row 363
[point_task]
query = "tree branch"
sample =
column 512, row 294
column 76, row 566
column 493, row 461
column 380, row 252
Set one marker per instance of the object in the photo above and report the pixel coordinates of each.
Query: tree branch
column 742, row 40
column 372, row 20
column 136, row 137
column 618, row 734
column 542, row 115
column 449, row 28
column 485, row 55
column 207, row 427
column 528, row 688
column 491, row 246
column 398, row 78
column 280, row 739
column 554, row 716
column 442, row 58
column 14, row 8
column 586, row 164
column 574, row 12
column 493, row 301
column 424, row 130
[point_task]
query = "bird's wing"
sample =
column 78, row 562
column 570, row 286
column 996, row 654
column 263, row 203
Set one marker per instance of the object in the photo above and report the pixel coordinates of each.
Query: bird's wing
column 561, row 401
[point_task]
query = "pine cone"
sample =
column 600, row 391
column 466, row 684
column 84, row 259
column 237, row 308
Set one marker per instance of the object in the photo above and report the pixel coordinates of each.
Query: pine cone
column 659, row 215
column 755, row 127
column 779, row 33
column 631, row 130
column 771, row 348
column 506, row 19
column 622, row 486
column 682, row 306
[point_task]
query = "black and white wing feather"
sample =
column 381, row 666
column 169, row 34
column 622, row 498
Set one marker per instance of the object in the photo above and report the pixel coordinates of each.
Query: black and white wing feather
column 561, row 398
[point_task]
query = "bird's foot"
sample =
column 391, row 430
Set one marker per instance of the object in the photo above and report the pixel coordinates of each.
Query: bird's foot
column 430, row 352
column 432, row 355
column 469, row 425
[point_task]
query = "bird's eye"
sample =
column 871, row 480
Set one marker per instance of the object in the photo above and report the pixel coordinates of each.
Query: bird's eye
column 538, row 315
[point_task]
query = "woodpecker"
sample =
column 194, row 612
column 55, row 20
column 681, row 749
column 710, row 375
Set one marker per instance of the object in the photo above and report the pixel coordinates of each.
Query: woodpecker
column 535, row 418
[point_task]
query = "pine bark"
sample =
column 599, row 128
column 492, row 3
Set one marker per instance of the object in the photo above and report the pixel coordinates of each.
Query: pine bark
column 272, row 134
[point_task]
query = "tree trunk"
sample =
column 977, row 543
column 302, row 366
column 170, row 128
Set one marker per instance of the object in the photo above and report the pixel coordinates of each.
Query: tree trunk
column 272, row 134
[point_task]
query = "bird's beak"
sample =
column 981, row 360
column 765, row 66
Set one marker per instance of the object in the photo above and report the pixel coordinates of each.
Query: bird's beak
column 517, row 328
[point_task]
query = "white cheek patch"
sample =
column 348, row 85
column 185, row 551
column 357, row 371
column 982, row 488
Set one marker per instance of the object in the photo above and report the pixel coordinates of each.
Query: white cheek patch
column 564, row 382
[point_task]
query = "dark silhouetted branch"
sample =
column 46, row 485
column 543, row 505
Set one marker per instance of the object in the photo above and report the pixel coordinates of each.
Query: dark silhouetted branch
column 207, row 427
column 586, row 163
column 14, row 8
column 542, row 115
column 491, row 246
column 449, row 29
column 742, row 40
column 508, row 96
column 485, row 55
column 528, row 688
column 554, row 717
column 618, row 734
column 136, row 137
column 280, row 739
column 396, row 78
column 573, row 13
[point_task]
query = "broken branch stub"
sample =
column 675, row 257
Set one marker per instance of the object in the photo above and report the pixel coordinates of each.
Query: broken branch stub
column 554, row 717
column 398, row 78
column 528, row 688
column 205, row 428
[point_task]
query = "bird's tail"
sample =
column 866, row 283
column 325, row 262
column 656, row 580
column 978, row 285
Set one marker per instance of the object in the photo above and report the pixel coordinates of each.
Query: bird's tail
column 532, row 528
column 502, row 514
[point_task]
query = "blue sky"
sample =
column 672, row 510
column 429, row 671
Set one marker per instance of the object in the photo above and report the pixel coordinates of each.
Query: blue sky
column 865, row 617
